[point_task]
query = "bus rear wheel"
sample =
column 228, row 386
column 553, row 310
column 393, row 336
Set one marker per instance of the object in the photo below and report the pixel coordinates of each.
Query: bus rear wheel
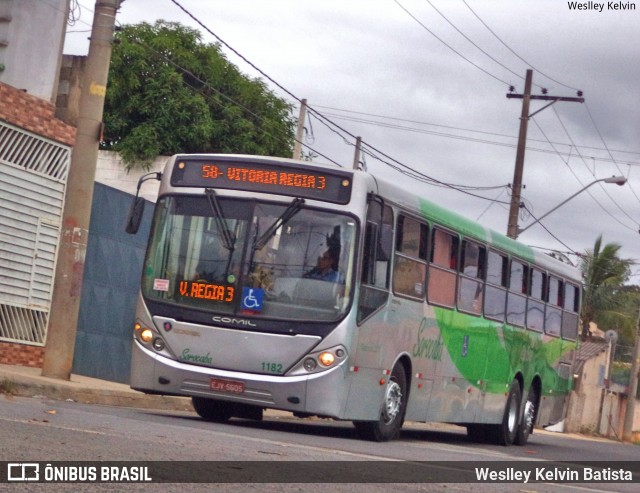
column 212, row 410
column 505, row 433
column 393, row 409
column 528, row 418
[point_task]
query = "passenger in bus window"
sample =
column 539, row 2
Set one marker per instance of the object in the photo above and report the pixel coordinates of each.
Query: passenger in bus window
column 326, row 268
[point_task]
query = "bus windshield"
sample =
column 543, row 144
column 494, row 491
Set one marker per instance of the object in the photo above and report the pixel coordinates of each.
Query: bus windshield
column 251, row 258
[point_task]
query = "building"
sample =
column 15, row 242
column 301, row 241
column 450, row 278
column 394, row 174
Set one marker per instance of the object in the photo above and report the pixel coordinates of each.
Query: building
column 35, row 153
column 28, row 61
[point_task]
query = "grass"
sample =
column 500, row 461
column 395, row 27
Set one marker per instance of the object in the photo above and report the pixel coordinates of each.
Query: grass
column 8, row 387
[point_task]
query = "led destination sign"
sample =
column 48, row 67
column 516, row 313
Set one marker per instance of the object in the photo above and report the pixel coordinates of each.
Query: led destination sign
column 298, row 181
column 206, row 291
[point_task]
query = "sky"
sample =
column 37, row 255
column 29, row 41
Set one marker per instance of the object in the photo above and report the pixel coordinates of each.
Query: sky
column 424, row 84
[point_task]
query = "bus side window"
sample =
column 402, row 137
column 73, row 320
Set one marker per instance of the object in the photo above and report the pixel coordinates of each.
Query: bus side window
column 442, row 271
column 535, row 306
column 553, row 314
column 495, row 299
column 517, row 297
column 378, row 242
column 471, row 282
column 410, row 261
column 570, row 312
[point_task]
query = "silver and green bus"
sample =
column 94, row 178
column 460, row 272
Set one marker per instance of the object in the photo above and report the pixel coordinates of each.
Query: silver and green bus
column 270, row 283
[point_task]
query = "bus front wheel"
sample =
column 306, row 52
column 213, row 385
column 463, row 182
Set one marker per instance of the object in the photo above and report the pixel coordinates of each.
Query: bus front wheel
column 393, row 409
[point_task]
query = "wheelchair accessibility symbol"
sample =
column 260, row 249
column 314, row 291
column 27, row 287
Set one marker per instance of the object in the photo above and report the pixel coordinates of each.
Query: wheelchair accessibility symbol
column 252, row 299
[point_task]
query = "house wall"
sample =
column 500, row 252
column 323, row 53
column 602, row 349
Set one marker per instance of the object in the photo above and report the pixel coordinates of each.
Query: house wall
column 31, row 38
column 35, row 149
column 33, row 114
column 584, row 404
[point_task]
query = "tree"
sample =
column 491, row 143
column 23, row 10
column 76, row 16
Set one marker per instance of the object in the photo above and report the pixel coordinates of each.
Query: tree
column 169, row 92
column 606, row 300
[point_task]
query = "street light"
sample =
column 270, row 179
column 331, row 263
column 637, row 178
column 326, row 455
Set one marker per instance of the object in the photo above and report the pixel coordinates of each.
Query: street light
column 618, row 180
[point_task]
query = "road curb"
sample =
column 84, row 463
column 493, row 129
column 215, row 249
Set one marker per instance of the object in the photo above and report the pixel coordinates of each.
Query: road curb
column 26, row 386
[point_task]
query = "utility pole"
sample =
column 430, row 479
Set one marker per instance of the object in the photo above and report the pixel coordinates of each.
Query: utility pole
column 65, row 304
column 516, row 186
column 297, row 146
column 356, row 156
column 627, row 429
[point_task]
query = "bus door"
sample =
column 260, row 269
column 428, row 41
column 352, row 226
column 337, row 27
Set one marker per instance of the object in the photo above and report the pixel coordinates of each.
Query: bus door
column 373, row 326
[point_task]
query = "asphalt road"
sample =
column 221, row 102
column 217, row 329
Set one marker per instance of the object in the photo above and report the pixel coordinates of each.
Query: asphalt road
column 40, row 429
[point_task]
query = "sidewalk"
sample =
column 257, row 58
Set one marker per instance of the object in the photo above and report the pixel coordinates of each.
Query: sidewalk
column 25, row 381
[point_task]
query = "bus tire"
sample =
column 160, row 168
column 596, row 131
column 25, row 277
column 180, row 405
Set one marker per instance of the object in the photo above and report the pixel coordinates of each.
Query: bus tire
column 213, row 410
column 394, row 406
column 505, row 432
column 528, row 418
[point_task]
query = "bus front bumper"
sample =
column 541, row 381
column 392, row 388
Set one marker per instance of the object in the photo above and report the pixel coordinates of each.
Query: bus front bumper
column 317, row 393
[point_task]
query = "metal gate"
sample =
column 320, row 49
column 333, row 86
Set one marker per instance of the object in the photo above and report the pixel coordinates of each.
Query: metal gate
column 110, row 287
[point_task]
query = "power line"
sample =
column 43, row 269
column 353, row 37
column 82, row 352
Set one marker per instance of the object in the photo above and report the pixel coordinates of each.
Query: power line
column 582, row 184
column 451, row 127
column 398, row 166
column 474, row 139
column 213, row 89
column 449, row 46
column 607, row 148
column 566, row 131
column 495, row 201
column 417, row 175
column 471, row 41
column 550, row 233
column 593, row 174
column 512, row 51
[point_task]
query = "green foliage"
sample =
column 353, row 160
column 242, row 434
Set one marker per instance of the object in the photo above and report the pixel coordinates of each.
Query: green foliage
column 606, row 300
column 169, row 92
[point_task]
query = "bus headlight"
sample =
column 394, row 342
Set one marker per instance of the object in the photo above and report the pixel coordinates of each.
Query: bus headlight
column 146, row 335
column 320, row 361
column 326, row 358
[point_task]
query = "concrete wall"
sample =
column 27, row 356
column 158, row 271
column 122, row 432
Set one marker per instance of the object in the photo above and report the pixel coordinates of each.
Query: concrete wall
column 31, row 41
column 591, row 387
column 111, row 172
column 595, row 408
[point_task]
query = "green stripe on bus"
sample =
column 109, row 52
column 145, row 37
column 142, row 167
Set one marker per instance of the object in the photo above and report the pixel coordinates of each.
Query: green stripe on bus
column 478, row 349
column 466, row 227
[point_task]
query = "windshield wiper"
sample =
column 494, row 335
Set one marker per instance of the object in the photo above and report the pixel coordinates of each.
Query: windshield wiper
column 227, row 237
column 285, row 217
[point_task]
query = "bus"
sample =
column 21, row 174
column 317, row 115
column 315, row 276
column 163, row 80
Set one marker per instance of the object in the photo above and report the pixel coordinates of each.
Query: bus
column 270, row 283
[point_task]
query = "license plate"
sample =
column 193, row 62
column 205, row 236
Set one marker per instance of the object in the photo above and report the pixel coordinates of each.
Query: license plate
column 229, row 386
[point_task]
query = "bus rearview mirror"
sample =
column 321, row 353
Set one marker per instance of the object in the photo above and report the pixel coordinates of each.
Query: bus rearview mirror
column 135, row 215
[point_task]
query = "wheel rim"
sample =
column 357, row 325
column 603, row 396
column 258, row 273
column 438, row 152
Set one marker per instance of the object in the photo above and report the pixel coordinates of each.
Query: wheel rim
column 512, row 419
column 392, row 402
column 529, row 413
